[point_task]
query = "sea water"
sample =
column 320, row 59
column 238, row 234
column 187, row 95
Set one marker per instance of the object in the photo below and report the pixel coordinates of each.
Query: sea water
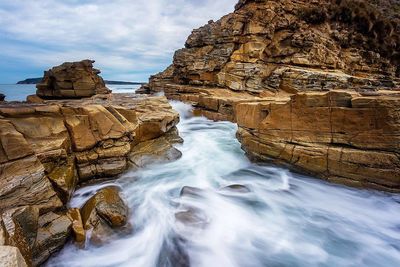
column 19, row 92
column 284, row 219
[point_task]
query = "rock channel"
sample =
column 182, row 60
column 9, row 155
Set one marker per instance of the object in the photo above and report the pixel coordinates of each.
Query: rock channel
column 313, row 85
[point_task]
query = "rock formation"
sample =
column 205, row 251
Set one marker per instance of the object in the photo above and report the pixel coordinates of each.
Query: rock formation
column 312, row 84
column 48, row 147
column 72, row 80
column 103, row 212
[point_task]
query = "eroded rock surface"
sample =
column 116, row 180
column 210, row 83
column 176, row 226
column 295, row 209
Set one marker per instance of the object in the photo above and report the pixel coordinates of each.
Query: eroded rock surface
column 48, row 147
column 72, row 80
column 312, row 84
column 54, row 230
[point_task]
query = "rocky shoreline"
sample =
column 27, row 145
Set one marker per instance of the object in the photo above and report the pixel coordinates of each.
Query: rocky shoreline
column 309, row 87
column 49, row 147
column 312, row 85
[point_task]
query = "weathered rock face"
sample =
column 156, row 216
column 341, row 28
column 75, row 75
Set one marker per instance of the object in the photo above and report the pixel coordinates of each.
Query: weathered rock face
column 48, row 147
column 311, row 84
column 72, row 80
column 53, row 232
column 61, row 143
column 347, row 139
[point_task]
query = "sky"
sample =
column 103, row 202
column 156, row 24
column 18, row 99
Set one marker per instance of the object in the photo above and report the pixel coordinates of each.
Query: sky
column 129, row 39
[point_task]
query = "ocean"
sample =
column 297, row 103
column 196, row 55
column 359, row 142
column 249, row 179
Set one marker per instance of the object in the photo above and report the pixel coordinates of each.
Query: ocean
column 19, row 92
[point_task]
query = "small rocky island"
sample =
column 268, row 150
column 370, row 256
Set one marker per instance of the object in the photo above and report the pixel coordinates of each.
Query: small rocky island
column 72, row 132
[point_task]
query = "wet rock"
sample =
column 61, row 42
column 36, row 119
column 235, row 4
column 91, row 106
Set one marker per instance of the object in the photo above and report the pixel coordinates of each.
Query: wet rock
column 2, row 97
column 158, row 150
column 192, row 217
column 236, row 188
column 189, row 191
column 65, row 179
column 103, row 212
column 11, row 257
column 77, row 226
column 173, row 252
column 72, row 80
column 54, row 230
column 20, row 226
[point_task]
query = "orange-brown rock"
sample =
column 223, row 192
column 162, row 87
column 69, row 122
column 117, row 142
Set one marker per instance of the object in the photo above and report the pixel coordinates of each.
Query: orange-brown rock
column 311, row 84
column 77, row 226
column 48, row 147
column 72, row 80
column 103, row 212
column 343, row 138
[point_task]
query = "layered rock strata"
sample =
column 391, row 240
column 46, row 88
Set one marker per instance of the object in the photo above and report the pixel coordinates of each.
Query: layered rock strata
column 72, row 80
column 48, row 148
column 312, row 84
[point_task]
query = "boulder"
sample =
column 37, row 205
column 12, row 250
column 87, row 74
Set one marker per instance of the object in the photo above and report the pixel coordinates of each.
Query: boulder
column 72, row 80
column 102, row 213
column 2, row 97
column 11, row 257
column 34, row 99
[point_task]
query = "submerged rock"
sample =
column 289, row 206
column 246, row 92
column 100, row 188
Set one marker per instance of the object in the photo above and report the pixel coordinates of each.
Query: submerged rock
column 192, row 217
column 189, row 191
column 173, row 253
column 236, row 188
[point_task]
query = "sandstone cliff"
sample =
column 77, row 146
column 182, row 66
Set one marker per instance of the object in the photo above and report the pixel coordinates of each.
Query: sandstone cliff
column 311, row 84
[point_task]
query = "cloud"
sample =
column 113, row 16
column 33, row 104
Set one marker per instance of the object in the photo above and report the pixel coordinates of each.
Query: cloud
column 129, row 39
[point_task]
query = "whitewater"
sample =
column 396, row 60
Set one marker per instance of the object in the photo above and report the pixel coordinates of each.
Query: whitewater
column 236, row 213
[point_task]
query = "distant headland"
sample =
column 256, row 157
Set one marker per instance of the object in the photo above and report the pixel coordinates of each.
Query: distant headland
column 38, row 80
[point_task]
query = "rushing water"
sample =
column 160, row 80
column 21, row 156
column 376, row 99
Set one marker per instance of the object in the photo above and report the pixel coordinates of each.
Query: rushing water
column 285, row 220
